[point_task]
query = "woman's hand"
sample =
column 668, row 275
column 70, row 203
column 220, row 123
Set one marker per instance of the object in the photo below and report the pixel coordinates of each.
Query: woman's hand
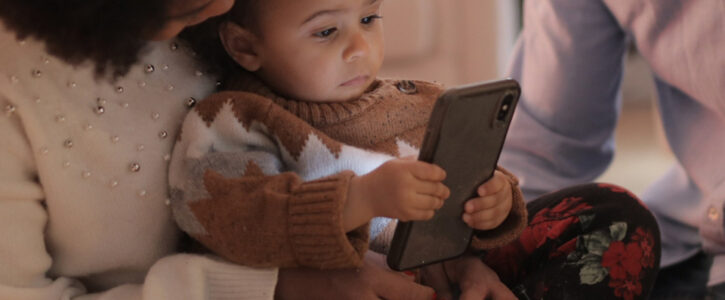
column 371, row 281
column 476, row 280
column 493, row 204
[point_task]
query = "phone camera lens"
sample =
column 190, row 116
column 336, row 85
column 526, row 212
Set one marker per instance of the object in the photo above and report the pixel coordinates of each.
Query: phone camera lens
column 505, row 106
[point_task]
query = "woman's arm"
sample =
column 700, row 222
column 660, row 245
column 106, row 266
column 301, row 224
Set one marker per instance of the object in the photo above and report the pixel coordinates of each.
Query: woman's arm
column 23, row 257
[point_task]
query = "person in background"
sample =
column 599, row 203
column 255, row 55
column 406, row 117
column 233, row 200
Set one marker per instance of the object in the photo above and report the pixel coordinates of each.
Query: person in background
column 569, row 60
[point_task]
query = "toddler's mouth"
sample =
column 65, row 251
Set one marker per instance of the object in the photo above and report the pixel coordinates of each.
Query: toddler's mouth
column 357, row 80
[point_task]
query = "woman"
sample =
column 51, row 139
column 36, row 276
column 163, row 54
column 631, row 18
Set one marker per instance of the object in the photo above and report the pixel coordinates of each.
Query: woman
column 90, row 111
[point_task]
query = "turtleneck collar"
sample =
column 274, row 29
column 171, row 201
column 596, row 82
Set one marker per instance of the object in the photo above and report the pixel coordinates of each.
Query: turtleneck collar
column 318, row 114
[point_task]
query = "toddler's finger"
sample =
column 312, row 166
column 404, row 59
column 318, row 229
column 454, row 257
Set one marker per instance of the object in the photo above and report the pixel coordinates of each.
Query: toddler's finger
column 423, row 215
column 493, row 185
column 435, row 189
column 480, row 225
column 482, row 215
column 426, row 202
column 427, row 172
column 481, row 203
column 485, row 219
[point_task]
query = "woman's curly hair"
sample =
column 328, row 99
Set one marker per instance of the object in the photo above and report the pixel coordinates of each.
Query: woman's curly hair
column 108, row 33
column 205, row 41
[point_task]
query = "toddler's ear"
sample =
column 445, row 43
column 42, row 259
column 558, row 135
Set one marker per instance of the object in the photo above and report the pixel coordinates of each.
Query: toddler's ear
column 240, row 44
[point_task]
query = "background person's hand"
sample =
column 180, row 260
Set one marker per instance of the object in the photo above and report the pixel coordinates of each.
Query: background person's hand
column 475, row 280
column 493, row 204
column 371, row 281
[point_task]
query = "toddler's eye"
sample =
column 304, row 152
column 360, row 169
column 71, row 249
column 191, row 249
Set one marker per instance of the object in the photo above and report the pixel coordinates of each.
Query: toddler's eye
column 370, row 19
column 326, row 33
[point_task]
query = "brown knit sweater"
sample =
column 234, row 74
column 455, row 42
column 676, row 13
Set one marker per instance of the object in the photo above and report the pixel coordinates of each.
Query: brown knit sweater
column 262, row 180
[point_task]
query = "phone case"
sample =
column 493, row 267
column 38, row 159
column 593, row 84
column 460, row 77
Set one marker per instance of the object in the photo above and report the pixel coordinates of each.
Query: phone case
column 465, row 134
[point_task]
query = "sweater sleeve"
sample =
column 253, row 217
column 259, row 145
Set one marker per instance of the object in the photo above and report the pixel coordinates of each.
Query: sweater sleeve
column 232, row 190
column 569, row 60
column 23, row 256
column 25, row 261
column 512, row 227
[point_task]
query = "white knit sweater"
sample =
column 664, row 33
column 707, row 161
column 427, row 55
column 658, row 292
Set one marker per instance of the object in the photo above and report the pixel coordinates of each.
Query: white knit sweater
column 83, row 186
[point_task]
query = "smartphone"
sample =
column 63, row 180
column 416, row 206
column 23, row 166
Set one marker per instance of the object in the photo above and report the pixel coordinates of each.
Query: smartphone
column 465, row 135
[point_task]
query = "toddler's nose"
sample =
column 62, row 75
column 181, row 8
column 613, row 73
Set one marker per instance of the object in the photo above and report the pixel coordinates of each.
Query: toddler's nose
column 357, row 47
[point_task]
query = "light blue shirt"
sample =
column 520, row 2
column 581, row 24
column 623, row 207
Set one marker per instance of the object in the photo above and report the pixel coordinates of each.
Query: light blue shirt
column 569, row 61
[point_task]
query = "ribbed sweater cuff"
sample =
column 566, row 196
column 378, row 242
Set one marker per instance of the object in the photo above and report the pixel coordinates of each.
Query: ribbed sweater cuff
column 512, row 227
column 315, row 225
column 227, row 282
column 188, row 276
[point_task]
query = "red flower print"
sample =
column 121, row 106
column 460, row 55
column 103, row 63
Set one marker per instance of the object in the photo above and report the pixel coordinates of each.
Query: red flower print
column 537, row 234
column 564, row 249
column 622, row 260
column 531, row 238
column 550, row 223
column 626, row 288
column 555, row 228
column 569, row 206
column 646, row 242
column 566, row 208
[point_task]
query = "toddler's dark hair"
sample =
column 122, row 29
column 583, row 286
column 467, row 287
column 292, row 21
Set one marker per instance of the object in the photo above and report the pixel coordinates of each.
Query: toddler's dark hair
column 105, row 32
column 205, row 41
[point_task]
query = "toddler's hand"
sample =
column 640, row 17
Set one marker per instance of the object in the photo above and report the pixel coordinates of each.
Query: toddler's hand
column 405, row 189
column 492, row 206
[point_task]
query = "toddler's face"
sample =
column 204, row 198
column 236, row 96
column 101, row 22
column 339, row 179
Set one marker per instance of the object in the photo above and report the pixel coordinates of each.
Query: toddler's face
column 320, row 50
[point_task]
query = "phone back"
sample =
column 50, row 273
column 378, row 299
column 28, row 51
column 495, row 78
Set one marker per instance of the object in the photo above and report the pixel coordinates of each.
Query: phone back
column 465, row 135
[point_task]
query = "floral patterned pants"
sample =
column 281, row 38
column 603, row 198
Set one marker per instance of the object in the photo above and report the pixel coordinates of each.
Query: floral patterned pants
column 595, row 241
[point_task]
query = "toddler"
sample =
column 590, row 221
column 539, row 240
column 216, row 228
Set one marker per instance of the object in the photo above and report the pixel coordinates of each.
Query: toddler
column 306, row 145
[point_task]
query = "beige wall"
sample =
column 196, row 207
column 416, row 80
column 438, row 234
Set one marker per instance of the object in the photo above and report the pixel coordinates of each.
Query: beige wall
column 449, row 41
